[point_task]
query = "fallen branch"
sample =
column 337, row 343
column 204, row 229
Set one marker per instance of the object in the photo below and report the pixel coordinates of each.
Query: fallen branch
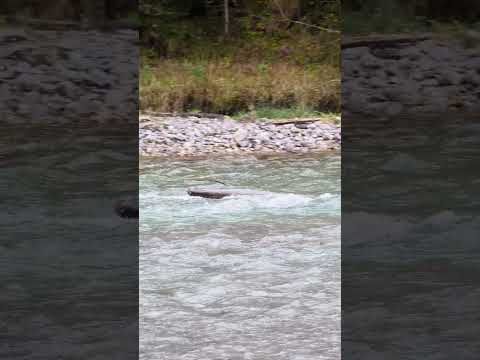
column 299, row 121
column 314, row 26
column 206, row 178
column 286, row 18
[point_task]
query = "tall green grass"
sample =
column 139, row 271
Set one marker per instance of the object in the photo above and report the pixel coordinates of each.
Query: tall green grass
column 295, row 70
column 224, row 87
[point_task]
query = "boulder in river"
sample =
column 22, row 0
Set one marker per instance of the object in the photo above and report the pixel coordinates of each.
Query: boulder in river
column 126, row 209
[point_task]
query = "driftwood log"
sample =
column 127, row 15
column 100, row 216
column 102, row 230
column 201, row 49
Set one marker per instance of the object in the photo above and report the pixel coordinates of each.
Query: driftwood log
column 296, row 121
column 220, row 193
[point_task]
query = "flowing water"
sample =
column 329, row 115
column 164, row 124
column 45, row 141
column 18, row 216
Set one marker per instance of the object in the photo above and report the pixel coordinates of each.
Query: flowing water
column 68, row 275
column 410, row 231
column 246, row 277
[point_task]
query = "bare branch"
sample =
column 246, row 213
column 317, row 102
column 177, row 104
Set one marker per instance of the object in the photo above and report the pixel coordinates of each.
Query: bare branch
column 286, row 18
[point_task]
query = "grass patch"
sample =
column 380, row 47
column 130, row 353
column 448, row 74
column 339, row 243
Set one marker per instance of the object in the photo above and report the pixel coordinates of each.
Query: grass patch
column 255, row 70
column 223, row 86
column 282, row 113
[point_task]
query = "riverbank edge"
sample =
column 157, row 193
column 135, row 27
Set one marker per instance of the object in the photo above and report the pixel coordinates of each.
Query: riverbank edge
column 240, row 155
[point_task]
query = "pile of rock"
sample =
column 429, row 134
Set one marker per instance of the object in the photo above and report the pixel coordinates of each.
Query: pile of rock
column 416, row 77
column 193, row 136
column 68, row 75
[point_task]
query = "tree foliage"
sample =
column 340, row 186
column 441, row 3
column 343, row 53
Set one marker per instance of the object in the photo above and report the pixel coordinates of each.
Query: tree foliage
column 165, row 22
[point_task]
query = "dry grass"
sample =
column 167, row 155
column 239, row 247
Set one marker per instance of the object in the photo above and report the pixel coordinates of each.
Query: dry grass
column 223, row 86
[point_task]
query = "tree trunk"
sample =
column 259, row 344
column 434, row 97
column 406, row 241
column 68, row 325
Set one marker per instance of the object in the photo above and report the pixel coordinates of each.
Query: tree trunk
column 227, row 17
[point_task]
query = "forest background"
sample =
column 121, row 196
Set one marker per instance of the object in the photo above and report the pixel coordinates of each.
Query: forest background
column 258, row 57
column 264, row 58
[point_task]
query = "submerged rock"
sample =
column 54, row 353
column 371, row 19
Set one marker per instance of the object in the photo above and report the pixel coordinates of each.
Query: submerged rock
column 126, row 209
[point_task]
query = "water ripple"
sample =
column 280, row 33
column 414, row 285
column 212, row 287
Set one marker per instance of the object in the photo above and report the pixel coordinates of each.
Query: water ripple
column 247, row 277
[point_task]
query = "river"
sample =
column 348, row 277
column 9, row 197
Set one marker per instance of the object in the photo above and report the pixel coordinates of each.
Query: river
column 249, row 277
column 410, row 230
column 68, row 276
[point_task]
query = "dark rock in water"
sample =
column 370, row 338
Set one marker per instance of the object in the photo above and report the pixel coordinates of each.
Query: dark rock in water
column 220, row 193
column 126, row 209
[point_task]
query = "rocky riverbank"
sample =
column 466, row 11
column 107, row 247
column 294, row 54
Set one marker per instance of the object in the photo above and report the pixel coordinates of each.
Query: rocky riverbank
column 196, row 136
column 68, row 76
column 421, row 76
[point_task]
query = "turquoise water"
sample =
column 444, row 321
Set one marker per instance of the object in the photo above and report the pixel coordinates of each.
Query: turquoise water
column 247, row 277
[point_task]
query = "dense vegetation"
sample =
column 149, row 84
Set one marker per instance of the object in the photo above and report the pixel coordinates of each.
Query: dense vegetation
column 236, row 56
column 239, row 55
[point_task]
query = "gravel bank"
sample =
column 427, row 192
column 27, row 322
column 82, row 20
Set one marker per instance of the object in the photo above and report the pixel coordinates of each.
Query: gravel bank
column 194, row 136
column 423, row 77
column 66, row 76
